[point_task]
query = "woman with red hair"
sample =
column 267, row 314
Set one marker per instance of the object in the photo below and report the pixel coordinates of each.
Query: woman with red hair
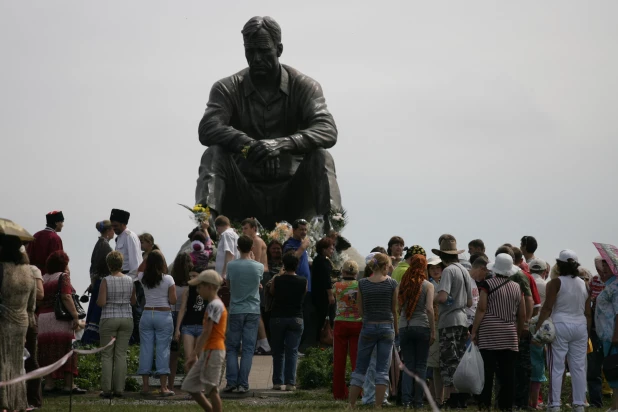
column 416, row 327
column 56, row 336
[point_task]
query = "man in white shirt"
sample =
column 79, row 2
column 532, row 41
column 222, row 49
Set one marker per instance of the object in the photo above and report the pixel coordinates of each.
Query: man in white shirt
column 227, row 249
column 129, row 245
column 127, row 242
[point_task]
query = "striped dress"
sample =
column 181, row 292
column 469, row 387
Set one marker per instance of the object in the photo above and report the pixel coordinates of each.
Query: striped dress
column 498, row 329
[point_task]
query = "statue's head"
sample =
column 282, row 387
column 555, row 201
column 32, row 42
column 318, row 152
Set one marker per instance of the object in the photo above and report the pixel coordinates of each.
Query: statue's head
column 262, row 39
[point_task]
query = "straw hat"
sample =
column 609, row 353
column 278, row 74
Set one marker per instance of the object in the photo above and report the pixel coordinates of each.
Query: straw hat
column 448, row 246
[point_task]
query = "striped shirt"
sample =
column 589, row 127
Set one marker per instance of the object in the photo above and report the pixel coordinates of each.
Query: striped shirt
column 498, row 329
column 377, row 299
column 119, row 291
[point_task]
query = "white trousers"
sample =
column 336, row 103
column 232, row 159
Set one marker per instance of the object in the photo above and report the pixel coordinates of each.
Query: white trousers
column 571, row 343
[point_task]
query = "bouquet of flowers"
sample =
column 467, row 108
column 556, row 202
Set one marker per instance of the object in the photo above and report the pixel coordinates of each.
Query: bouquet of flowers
column 200, row 213
column 315, row 232
column 338, row 219
column 281, row 232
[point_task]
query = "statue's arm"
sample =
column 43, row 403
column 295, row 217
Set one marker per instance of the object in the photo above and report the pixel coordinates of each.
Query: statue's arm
column 215, row 126
column 318, row 129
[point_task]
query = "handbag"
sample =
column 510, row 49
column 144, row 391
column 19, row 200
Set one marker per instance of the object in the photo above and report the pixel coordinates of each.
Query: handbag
column 610, row 365
column 326, row 334
column 60, row 310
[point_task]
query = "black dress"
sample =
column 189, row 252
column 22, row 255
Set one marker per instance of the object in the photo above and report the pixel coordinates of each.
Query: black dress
column 321, row 270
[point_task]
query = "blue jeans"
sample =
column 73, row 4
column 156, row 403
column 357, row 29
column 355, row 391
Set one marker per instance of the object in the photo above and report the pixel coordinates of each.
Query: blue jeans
column 155, row 329
column 381, row 337
column 369, row 387
column 241, row 327
column 285, row 334
column 415, row 351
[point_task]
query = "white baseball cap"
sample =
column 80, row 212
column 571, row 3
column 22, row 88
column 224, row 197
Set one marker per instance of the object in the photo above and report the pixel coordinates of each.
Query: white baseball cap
column 567, row 254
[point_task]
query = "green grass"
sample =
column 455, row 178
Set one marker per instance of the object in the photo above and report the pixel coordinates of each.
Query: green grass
column 300, row 400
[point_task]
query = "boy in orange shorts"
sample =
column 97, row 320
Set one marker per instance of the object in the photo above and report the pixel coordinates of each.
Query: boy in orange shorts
column 205, row 365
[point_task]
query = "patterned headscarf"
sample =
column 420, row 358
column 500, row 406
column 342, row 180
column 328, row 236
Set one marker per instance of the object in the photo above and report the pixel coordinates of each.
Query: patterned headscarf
column 414, row 250
column 412, row 284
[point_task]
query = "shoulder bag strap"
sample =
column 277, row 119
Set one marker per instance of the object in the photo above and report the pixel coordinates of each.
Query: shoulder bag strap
column 502, row 284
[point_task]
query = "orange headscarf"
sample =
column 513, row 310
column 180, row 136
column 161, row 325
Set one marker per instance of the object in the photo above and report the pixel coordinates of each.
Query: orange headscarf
column 412, row 284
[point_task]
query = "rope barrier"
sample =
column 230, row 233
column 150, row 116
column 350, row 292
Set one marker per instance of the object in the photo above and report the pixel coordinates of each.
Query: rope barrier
column 432, row 403
column 46, row 370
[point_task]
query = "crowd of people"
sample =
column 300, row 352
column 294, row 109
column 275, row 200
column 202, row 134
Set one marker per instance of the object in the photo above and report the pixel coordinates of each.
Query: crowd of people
column 229, row 296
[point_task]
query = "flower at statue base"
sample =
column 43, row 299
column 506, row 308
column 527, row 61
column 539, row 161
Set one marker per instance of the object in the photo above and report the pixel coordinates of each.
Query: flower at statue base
column 338, row 219
column 281, row 232
column 200, row 212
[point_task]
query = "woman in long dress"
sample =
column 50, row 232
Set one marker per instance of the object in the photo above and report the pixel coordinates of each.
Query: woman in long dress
column 98, row 270
column 18, row 300
column 56, row 336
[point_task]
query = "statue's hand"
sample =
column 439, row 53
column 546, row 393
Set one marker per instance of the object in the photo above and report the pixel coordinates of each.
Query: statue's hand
column 271, row 167
column 262, row 150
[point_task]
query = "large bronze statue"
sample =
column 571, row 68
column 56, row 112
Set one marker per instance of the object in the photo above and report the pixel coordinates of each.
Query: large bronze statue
column 267, row 129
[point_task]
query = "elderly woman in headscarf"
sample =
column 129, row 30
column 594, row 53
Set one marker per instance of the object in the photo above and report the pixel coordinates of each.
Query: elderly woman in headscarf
column 416, row 327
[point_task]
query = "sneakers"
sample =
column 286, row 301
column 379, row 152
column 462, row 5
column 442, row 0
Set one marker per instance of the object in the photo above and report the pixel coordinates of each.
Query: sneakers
column 277, row 387
column 578, row 408
column 260, row 351
column 290, row 388
column 242, row 389
column 229, row 389
column 554, row 409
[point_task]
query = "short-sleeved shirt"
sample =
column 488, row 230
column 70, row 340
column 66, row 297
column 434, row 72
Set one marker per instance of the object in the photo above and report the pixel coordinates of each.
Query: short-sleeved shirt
column 289, row 296
column 498, row 329
column 36, row 273
column 523, row 282
column 536, row 298
column 303, row 264
column 157, row 297
column 244, row 277
column 596, row 286
column 346, row 296
column 457, row 283
column 400, row 270
column 541, row 286
column 471, row 311
column 118, row 302
column 216, row 312
column 607, row 309
column 227, row 243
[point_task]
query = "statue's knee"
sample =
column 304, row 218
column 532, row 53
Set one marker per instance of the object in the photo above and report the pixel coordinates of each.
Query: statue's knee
column 320, row 157
column 216, row 155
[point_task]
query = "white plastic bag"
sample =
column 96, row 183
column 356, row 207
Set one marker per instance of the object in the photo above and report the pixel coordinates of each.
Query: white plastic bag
column 470, row 374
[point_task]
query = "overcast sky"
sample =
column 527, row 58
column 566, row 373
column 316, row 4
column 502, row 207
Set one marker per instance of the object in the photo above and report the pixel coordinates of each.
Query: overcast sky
column 480, row 119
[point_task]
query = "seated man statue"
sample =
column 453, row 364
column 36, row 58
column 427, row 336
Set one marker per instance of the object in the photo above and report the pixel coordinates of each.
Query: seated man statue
column 267, row 129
